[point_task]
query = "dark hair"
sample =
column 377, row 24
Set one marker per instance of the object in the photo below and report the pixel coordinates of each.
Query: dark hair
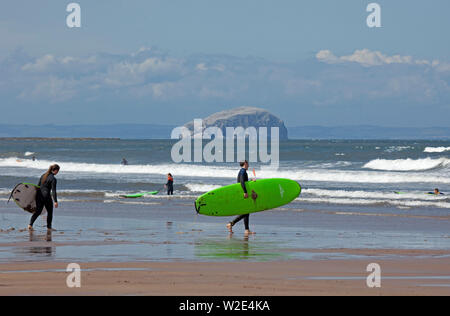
column 50, row 170
column 242, row 163
column 436, row 189
column 169, row 174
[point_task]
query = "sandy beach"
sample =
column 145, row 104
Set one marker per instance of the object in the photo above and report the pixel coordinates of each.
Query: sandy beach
column 320, row 244
column 232, row 149
column 415, row 273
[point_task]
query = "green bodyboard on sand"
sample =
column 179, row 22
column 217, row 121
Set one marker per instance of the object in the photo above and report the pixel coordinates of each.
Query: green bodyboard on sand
column 229, row 200
column 138, row 195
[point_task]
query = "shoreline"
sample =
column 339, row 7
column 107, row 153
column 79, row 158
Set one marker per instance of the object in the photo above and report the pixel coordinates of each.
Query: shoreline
column 401, row 276
column 60, row 138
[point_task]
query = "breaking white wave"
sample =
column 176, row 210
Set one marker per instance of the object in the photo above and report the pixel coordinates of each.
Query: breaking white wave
column 386, row 198
column 28, row 153
column 407, row 164
column 397, row 148
column 436, row 149
column 396, row 203
column 75, row 170
column 417, row 195
column 198, row 187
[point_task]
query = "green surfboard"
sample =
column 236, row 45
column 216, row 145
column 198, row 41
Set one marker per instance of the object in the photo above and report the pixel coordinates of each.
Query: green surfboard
column 138, row 195
column 264, row 194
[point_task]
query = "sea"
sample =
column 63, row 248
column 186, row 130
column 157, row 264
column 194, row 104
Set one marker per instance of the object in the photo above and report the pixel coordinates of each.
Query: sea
column 355, row 193
column 331, row 173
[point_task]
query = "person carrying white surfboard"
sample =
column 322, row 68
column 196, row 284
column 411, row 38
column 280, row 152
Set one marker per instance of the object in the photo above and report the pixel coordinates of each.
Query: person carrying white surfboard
column 46, row 196
column 242, row 178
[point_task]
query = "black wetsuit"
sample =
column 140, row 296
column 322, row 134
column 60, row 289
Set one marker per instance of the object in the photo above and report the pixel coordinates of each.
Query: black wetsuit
column 44, row 198
column 169, row 185
column 242, row 178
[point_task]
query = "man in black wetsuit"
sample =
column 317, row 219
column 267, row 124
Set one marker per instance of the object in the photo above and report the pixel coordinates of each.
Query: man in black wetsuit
column 242, row 178
column 47, row 190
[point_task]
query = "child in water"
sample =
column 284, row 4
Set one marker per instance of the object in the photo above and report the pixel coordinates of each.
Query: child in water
column 169, row 184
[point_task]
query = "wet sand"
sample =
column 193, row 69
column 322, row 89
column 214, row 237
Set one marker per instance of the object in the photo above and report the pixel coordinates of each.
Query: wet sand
column 414, row 273
column 161, row 247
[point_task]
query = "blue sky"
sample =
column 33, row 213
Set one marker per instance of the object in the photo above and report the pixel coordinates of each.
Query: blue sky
column 310, row 62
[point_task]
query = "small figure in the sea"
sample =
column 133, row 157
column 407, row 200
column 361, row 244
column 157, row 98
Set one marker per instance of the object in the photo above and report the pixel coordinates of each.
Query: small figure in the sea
column 46, row 196
column 124, row 162
column 242, row 178
column 436, row 192
column 169, row 184
column 33, row 158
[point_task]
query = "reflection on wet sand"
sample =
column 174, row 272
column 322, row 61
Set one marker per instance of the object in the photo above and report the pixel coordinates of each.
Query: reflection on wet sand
column 236, row 248
column 43, row 249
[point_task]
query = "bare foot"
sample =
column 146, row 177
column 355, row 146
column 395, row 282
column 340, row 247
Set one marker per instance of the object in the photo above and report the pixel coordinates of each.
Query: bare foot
column 248, row 232
column 30, row 228
column 230, row 227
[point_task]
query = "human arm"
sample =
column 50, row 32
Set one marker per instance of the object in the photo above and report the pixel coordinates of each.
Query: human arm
column 54, row 194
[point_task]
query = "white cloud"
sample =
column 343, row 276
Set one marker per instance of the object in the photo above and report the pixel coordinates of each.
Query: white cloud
column 201, row 67
column 126, row 73
column 52, row 89
column 41, row 64
column 150, row 75
column 368, row 58
column 204, row 67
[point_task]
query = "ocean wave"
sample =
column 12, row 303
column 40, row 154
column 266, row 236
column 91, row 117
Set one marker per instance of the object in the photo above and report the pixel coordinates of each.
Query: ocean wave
column 407, row 164
column 199, row 187
column 436, row 149
column 392, row 149
column 390, row 195
column 28, row 153
column 73, row 170
column 375, row 202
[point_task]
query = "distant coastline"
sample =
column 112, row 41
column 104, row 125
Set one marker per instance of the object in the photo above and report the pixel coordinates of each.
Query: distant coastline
column 150, row 131
column 57, row 138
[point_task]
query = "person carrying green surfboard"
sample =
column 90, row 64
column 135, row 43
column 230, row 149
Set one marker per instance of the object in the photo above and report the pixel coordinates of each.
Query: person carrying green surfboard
column 242, row 178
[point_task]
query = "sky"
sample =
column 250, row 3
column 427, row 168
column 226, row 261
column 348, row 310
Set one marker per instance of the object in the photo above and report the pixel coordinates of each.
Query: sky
column 311, row 62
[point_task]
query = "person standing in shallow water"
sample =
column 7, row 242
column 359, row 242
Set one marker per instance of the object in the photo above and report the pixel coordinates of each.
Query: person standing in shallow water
column 242, row 178
column 169, row 184
column 46, row 196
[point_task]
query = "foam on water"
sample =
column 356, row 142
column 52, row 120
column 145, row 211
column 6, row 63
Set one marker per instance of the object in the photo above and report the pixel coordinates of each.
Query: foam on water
column 436, row 149
column 198, row 187
column 388, row 198
column 387, row 202
column 74, row 170
column 407, row 164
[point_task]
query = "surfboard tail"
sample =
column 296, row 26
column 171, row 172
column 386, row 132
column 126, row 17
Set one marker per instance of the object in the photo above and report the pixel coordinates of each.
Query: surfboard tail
column 196, row 209
column 12, row 192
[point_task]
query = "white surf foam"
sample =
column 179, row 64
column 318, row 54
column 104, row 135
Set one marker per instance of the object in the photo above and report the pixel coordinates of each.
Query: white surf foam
column 198, row 187
column 74, row 170
column 397, row 203
column 392, row 149
column 436, row 149
column 28, row 153
column 374, row 195
column 407, row 164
